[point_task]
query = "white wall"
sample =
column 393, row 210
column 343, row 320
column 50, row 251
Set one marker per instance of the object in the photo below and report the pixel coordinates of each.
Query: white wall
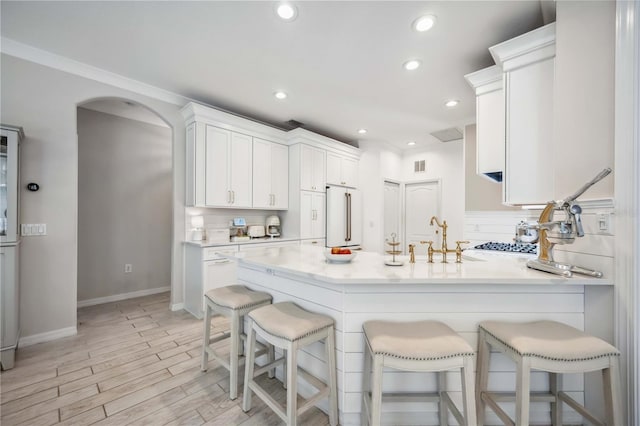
column 444, row 161
column 44, row 101
column 124, row 205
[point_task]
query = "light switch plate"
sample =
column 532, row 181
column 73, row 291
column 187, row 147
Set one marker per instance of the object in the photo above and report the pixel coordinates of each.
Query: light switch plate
column 33, row 229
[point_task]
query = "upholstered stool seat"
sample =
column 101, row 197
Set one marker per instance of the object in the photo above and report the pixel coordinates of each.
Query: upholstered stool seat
column 233, row 302
column 289, row 327
column 552, row 347
column 420, row 346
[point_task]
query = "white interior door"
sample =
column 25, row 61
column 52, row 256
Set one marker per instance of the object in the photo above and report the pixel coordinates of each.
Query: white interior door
column 422, row 201
column 392, row 205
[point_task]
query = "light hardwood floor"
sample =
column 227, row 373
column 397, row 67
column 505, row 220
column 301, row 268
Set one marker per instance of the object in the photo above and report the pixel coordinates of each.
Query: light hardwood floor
column 132, row 362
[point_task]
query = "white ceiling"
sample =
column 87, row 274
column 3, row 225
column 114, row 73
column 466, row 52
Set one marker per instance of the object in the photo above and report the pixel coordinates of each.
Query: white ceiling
column 340, row 62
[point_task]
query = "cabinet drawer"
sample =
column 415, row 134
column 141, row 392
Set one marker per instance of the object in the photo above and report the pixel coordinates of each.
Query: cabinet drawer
column 211, row 253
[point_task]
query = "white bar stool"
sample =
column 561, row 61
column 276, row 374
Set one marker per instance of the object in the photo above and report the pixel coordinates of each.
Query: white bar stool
column 552, row 347
column 289, row 327
column 233, row 302
column 420, row 346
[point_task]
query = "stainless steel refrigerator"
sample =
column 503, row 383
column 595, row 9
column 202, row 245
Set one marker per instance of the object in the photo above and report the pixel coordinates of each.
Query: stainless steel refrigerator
column 344, row 217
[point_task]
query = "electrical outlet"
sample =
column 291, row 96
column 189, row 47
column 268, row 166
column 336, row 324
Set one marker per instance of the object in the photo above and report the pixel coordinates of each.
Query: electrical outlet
column 128, row 268
column 603, row 223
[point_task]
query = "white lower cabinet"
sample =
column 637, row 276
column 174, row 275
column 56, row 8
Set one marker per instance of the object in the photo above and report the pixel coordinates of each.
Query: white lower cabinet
column 312, row 214
column 10, row 304
column 205, row 270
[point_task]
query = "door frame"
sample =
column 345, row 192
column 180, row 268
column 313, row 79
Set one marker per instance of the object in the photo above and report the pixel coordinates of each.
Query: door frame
column 437, row 181
column 400, row 208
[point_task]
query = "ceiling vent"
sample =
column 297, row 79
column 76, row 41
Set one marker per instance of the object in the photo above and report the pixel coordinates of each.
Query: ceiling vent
column 447, row 135
column 419, row 166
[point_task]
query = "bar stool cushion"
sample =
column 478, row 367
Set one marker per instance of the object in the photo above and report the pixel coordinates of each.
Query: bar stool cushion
column 548, row 340
column 418, row 340
column 237, row 297
column 288, row 321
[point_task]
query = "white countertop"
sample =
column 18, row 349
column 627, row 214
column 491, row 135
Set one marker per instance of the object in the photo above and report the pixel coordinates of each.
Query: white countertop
column 234, row 243
column 368, row 268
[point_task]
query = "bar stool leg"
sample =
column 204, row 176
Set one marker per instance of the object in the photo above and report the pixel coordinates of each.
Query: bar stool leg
column 333, row 379
column 523, row 386
column 270, row 358
column 442, row 403
column 376, row 390
column 249, row 366
column 366, row 386
column 284, row 370
column 207, row 335
column 555, row 385
column 612, row 401
column 241, row 342
column 292, row 385
column 233, row 355
column 468, row 395
column 482, row 374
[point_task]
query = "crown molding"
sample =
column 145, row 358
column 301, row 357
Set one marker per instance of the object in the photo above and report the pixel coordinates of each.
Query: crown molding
column 32, row 54
column 485, row 76
column 534, row 46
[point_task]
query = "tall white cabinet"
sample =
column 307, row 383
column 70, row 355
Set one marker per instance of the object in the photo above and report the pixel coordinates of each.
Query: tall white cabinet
column 342, row 170
column 528, row 64
column 10, row 138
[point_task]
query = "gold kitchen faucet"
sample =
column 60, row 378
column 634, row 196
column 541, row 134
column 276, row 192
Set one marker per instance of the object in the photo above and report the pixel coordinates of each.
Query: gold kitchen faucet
column 444, row 250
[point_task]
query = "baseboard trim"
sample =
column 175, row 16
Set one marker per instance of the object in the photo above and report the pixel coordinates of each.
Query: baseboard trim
column 47, row 337
column 122, row 296
column 177, row 306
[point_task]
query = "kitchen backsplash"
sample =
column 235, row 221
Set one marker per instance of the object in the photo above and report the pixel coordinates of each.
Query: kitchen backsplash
column 595, row 250
column 220, row 218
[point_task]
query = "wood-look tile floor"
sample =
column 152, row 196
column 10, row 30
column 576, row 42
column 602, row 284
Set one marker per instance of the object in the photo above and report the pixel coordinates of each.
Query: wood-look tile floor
column 132, row 362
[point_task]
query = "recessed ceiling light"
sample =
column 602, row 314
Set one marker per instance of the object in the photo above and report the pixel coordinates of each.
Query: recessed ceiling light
column 424, row 23
column 411, row 143
column 280, row 95
column 411, row 64
column 452, row 103
column 362, row 131
column 287, row 11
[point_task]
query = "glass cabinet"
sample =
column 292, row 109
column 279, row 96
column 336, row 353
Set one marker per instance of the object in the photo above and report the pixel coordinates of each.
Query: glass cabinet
column 9, row 209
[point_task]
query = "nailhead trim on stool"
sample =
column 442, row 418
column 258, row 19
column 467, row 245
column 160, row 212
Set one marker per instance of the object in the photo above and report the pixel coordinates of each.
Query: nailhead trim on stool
column 552, row 347
column 287, row 326
column 420, row 346
column 233, row 302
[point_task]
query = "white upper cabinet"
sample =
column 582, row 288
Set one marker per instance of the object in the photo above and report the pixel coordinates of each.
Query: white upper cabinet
column 230, row 165
column 490, row 122
column 342, row 170
column 312, row 220
column 228, row 168
column 528, row 63
column 312, row 168
column 270, row 175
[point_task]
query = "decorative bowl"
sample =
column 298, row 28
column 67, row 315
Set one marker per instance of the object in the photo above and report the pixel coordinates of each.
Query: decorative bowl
column 339, row 258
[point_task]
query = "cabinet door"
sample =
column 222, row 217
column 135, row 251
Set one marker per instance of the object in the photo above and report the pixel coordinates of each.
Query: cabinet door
column 279, row 176
column 306, row 214
column 217, row 173
column 312, row 168
column 319, row 170
column 529, row 175
column 349, row 172
column 318, row 214
column 241, row 170
column 334, row 166
column 262, row 167
column 490, row 143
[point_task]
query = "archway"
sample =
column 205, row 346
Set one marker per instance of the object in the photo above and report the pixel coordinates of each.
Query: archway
column 125, row 187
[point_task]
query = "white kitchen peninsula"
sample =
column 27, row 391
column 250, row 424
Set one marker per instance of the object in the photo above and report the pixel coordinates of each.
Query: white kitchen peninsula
column 461, row 295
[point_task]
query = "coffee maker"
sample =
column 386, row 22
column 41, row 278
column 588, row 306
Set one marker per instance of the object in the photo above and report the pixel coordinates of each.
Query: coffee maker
column 272, row 224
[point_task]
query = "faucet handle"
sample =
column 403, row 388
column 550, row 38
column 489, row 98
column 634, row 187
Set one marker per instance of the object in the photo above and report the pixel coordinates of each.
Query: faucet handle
column 459, row 250
column 461, row 242
column 412, row 255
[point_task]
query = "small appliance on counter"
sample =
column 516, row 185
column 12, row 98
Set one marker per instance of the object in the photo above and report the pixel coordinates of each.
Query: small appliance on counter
column 217, row 235
column 526, row 232
column 238, row 230
column 255, row 231
column 273, row 226
column 197, row 231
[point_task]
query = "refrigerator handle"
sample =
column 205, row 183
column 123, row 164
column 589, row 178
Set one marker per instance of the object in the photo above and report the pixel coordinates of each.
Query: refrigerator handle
column 348, row 195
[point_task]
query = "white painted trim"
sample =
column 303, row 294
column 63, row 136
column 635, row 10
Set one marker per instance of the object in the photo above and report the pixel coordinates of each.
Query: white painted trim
column 527, row 48
column 300, row 135
column 177, row 306
column 122, row 296
column 627, row 197
column 47, row 337
column 29, row 53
